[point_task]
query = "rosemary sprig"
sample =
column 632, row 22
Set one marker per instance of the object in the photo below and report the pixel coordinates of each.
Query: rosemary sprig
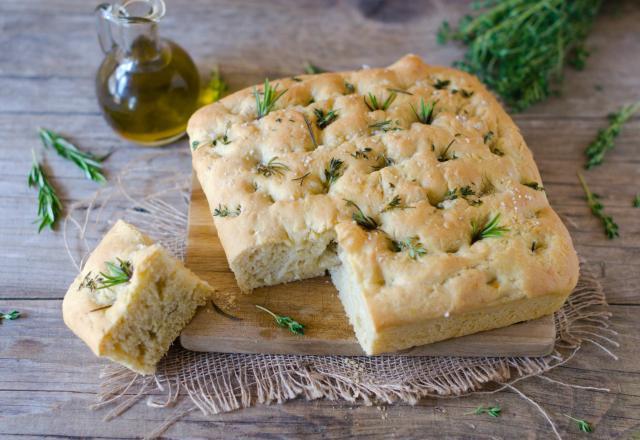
column 215, row 88
column 493, row 411
column 271, row 168
column 333, row 172
column 117, row 273
column 636, row 201
column 604, row 142
column 534, row 185
column 383, row 162
column 444, row 156
column 441, row 84
column 311, row 133
column 284, row 321
column 91, row 165
column 49, row 206
column 374, row 104
column 9, row 316
column 363, row 220
column 312, row 69
column 397, row 90
column 301, row 178
column 583, row 425
column 411, row 245
column 518, row 47
column 487, row 229
column 593, row 200
column 324, row 119
column 425, row 113
column 224, row 211
column 395, row 203
column 265, row 103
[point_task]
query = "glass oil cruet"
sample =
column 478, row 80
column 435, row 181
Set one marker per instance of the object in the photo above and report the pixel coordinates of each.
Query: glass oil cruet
column 147, row 86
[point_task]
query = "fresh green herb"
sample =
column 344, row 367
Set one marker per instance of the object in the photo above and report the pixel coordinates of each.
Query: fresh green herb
column 636, row 201
column 271, row 168
column 583, row 425
column 605, row 140
column 322, row 119
column 383, row 162
column 222, row 139
column 312, row 69
column 425, row 113
column 333, row 172
column 385, row 126
column 396, row 203
column 493, row 411
column 593, row 200
column 444, row 156
column 518, row 47
column 215, row 88
column 534, row 185
column 363, row 220
column 350, row 87
column 224, row 211
column 117, row 273
column 266, row 99
column 301, row 178
column 487, row 229
column 374, row 104
column 411, row 245
column 9, row 316
column 284, row 321
column 91, row 165
column 441, row 84
column 311, row 133
column 534, row 246
column 362, row 153
column 396, row 90
column 49, row 206
column 464, row 192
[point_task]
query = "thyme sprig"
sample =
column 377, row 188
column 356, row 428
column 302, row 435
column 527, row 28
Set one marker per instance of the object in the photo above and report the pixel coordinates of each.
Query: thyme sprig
column 267, row 99
column 583, row 425
column 271, row 168
column 597, row 209
column 487, row 229
column 9, row 316
column 411, row 245
column 374, row 104
column 396, row 203
column 116, row 274
column 425, row 112
column 493, row 411
column 332, row 172
column 284, row 321
column 225, row 211
column 324, row 119
column 91, row 165
column 363, row 220
column 518, row 47
column 604, row 142
column 49, row 206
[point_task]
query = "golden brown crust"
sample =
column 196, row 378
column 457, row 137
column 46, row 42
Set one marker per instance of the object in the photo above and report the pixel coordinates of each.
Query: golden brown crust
column 486, row 154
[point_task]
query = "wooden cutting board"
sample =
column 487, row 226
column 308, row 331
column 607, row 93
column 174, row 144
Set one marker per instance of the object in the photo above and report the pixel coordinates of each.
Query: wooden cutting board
column 314, row 303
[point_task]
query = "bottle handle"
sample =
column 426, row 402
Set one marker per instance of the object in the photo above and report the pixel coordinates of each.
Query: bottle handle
column 103, row 25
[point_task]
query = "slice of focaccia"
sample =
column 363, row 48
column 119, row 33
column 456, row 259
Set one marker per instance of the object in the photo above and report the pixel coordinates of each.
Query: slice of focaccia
column 132, row 299
column 410, row 184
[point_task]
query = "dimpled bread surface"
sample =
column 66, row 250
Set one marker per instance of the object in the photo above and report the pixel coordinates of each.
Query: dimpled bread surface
column 425, row 184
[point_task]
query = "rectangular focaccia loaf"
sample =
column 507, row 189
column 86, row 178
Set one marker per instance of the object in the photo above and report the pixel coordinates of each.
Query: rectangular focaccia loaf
column 135, row 322
column 410, row 184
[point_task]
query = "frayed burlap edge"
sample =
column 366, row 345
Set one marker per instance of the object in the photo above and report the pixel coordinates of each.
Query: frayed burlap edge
column 221, row 382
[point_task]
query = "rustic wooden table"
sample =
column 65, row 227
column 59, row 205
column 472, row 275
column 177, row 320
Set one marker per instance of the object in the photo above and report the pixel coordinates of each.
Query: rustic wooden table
column 48, row 56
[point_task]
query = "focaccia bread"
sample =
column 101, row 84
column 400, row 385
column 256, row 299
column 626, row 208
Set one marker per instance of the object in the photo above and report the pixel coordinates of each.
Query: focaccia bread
column 132, row 322
column 410, row 184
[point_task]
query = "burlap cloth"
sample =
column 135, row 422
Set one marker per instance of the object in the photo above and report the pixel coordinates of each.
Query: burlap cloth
column 153, row 194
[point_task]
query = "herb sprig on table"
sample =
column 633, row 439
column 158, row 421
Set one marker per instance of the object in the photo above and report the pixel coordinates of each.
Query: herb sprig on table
column 9, row 316
column 493, row 411
column 518, row 47
column 49, row 206
column 604, row 142
column 583, row 425
column 593, row 200
column 91, row 165
column 284, row 321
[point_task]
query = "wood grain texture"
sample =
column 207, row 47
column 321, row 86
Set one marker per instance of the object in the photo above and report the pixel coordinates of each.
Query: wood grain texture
column 314, row 303
column 48, row 56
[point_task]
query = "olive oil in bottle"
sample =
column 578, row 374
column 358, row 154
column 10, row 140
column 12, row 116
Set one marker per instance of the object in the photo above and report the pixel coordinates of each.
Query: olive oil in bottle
column 147, row 87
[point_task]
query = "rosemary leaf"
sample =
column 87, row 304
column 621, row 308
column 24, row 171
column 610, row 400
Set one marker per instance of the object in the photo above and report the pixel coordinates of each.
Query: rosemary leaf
column 363, row 220
column 411, row 245
column 284, row 321
column 534, row 185
column 273, row 167
column 374, row 104
column 91, row 165
column 487, row 229
column 311, row 134
column 332, row 172
column 267, row 99
column 604, row 142
column 49, row 206
column 597, row 209
column 324, row 119
column 425, row 113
